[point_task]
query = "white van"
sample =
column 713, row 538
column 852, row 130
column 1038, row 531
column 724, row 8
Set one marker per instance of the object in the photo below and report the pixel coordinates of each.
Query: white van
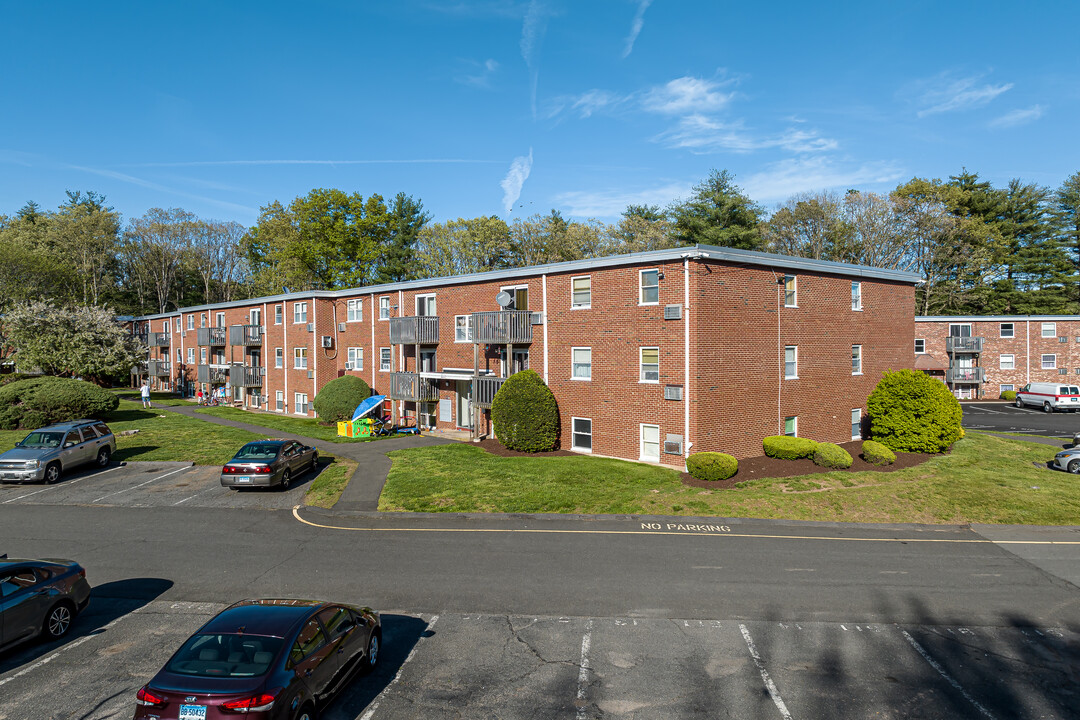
column 1049, row 396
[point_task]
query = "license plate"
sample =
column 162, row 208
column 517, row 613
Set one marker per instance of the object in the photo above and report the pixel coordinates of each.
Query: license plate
column 7, row 476
column 244, row 478
column 192, row 712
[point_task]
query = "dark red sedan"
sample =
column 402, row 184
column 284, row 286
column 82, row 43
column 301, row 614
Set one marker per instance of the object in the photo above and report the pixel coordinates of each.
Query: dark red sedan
column 266, row 660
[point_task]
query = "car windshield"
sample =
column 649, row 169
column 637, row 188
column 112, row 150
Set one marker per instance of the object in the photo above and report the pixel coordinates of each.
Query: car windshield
column 257, row 451
column 208, row 655
column 38, row 439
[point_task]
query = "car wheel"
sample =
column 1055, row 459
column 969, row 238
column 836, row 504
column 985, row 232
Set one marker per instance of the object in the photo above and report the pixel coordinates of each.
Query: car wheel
column 52, row 473
column 1047, row 408
column 1019, row 403
column 103, row 457
column 58, row 621
column 371, row 659
column 1074, row 467
column 314, row 461
column 286, row 480
column 306, row 713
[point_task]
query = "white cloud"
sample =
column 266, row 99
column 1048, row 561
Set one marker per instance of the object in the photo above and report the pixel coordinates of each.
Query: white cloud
column 131, row 179
column 479, row 74
column 686, row 95
column 783, row 179
column 636, row 25
column 699, row 133
column 398, row 161
column 532, row 34
column 1018, row 117
column 946, row 93
column 611, row 203
column 515, row 179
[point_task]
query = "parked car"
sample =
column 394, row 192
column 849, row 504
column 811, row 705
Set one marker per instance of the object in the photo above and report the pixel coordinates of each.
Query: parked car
column 49, row 452
column 1068, row 459
column 1049, row 396
column 268, row 463
column 266, row 659
column 39, row 597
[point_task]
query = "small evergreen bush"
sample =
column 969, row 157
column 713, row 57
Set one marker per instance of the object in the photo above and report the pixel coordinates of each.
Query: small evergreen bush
column 1009, row 395
column 831, row 455
column 877, row 454
column 338, row 399
column 786, row 447
column 524, row 413
column 711, row 466
column 912, row 412
column 41, row 401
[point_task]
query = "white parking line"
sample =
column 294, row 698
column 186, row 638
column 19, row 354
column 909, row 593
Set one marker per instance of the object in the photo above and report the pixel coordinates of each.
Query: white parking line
column 583, row 673
column 135, row 487
column 773, row 692
column 375, row 703
column 68, row 483
column 941, row 671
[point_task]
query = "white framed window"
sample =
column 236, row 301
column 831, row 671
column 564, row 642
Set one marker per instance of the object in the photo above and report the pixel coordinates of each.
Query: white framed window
column 425, row 305
column 219, row 320
column 354, row 310
column 856, row 295
column 299, row 313
column 581, row 360
column 649, row 283
column 202, row 320
column 1007, row 330
column 856, row 424
column 520, row 294
column 1049, row 362
column 191, row 356
column 920, row 346
column 856, row 359
column 791, row 426
column 1006, row 388
column 300, row 358
column 279, row 357
column 384, row 307
column 190, row 322
column 279, row 316
column 1006, row 362
column 581, row 292
column 581, row 434
column 202, row 356
column 255, row 317
column 279, row 400
column 165, row 327
column 1049, row 329
column 179, row 356
column 300, row 403
column 463, row 328
column 650, row 365
column 650, row 443
column 790, row 295
column 355, row 358
column 791, row 362
column 384, row 359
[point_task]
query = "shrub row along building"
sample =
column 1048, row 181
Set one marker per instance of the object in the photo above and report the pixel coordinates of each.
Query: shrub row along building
column 650, row 356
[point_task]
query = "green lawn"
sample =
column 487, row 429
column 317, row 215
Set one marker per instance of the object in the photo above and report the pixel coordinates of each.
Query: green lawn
column 308, row 427
column 158, row 398
column 985, row 479
column 327, row 488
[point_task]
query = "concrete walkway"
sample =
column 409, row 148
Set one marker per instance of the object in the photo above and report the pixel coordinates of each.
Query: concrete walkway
column 366, row 484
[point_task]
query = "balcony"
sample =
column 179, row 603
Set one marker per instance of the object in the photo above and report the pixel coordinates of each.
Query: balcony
column 213, row 375
column 503, row 326
column 246, row 376
column 153, row 339
column 965, row 375
column 410, row 386
column 418, row 330
column 246, row 335
column 157, row 368
column 211, row 336
column 485, row 391
column 964, row 345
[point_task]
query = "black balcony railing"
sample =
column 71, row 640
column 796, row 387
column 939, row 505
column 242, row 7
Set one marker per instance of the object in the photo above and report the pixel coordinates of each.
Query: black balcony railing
column 410, row 386
column 965, row 375
column 246, row 335
column 212, row 375
column 502, row 326
column 416, row 330
column 211, row 336
column 485, row 391
column 964, row 344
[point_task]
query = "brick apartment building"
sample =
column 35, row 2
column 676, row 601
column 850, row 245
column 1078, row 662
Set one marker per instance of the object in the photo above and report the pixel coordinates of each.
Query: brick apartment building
column 983, row 356
column 650, row 356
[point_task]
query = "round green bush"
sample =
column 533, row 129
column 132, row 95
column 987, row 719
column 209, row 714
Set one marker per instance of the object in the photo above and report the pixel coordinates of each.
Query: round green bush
column 1009, row 395
column 524, row 413
column 338, row 399
column 46, row 400
column 786, row 447
column 912, row 412
column 831, row 455
column 877, row 454
column 711, row 466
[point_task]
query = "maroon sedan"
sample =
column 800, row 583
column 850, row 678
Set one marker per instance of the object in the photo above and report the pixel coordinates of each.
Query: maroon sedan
column 265, row 659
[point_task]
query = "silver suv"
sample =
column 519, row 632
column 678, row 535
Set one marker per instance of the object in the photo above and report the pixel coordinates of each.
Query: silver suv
column 48, row 453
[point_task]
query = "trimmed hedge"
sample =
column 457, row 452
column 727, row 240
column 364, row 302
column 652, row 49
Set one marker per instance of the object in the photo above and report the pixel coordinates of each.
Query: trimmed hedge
column 1009, row 395
column 338, row 399
column 877, row 454
column 831, row 455
column 524, row 413
column 711, row 466
column 912, row 412
column 46, row 400
column 786, row 447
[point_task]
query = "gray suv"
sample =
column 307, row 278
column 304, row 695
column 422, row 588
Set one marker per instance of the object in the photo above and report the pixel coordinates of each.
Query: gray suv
column 47, row 453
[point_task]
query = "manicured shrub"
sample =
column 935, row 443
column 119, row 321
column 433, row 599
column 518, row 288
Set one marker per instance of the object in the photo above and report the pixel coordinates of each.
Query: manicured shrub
column 877, row 454
column 711, row 466
column 338, row 398
column 524, row 413
column 786, row 447
column 912, row 412
column 1009, row 395
column 831, row 455
column 45, row 400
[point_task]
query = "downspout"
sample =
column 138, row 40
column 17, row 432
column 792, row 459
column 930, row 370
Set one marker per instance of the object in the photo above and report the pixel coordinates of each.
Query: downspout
column 263, row 324
column 1027, row 347
column 686, row 358
column 543, row 292
column 371, row 308
column 285, row 353
column 315, row 347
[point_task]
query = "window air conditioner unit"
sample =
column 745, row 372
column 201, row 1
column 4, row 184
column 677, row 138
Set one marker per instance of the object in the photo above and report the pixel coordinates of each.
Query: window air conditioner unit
column 327, row 341
column 673, row 312
column 311, row 327
column 673, row 392
column 673, row 445
column 262, row 371
column 537, row 318
column 1063, row 371
column 310, row 374
column 341, row 327
column 310, row 407
column 348, row 365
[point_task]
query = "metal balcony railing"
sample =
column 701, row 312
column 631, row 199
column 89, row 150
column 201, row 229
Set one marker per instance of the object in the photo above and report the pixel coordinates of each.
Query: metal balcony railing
column 410, row 386
column 965, row 375
column 416, row 330
column 211, row 336
column 246, row 335
column 964, row 344
column 502, row 326
column 157, row 339
column 157, row 368
column 485, row 391
column 212, row 375
column 246, row 376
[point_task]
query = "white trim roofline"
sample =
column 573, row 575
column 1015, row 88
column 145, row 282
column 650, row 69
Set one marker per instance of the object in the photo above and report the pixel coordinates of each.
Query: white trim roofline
column 994, row 318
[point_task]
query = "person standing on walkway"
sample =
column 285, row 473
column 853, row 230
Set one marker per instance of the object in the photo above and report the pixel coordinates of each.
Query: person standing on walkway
column 145, row 392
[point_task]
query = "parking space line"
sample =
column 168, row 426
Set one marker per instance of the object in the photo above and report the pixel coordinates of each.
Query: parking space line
column 375, row 703
column 68, row 483
column 941, row 671
column 136, row 487
column 583, row 673
column 769, row 685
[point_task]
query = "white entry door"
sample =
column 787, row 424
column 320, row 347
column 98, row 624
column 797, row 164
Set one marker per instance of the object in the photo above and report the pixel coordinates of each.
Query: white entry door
column 650, row 443
column 464, row 403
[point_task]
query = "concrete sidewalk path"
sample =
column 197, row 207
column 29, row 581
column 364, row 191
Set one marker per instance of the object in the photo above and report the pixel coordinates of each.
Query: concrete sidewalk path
column 366, row 484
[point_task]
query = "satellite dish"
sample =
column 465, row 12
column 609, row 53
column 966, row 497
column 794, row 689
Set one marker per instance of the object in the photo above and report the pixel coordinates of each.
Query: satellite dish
column 504, row 299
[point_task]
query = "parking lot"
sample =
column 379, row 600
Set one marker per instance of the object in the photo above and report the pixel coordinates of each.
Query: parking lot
column 152, row 484
column 491, row 666
column 1007, row 418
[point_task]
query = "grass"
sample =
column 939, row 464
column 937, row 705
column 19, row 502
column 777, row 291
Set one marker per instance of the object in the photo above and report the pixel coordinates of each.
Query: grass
column 984, row 480
column 158, row 398
column 308, row 427
column 328, row 486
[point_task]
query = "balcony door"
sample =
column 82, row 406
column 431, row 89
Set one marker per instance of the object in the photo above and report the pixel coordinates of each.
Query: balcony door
column 464, row 404
column 960, row 331
column 256, row 317
column 427, row 361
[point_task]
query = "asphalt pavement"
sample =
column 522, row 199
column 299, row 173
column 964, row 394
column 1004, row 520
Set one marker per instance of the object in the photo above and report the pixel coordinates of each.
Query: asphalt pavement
column 1006, row 418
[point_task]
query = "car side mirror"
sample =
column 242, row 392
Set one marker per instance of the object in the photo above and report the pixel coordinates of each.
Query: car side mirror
column 18, row 444
column 69, row 443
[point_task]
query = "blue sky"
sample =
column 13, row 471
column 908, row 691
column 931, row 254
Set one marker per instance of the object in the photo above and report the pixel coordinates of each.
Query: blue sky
column 482, row 107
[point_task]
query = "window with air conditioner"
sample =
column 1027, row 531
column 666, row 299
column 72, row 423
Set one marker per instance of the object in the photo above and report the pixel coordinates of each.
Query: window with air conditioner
column 582, row 434
column 581, row 292
column 649, row 365
column 581, row 363
column 356, row 358
column 354, row 311
column 300, row 358
column 384, row 359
